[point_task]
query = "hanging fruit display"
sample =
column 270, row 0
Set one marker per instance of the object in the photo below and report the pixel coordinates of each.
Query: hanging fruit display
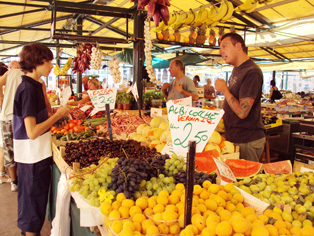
column 212, row 38
column 156, row 9
column 221, row 33
column 114, row 70
column 203, row 17
column 96, row 58
column 193, row 35
column 65, row 68
column 147, row 51
column 200, row 39
column 83, row 58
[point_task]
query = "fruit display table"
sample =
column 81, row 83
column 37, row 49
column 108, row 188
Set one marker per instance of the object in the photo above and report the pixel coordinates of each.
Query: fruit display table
column 76, row 229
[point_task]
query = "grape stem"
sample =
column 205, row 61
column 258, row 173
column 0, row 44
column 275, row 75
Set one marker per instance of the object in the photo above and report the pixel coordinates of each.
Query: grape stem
column 90, row 171
column 126, row 155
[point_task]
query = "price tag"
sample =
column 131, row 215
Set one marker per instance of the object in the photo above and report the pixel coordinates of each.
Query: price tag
column 183, row 101
column 224, row 170
column 102, row 97
column 191, row 123
column 66, row 94
column 85, row 108
column 168, row 149
column 135, row 92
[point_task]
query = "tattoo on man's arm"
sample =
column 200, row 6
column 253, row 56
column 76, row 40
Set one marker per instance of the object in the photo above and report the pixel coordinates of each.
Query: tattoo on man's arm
column 242, row 107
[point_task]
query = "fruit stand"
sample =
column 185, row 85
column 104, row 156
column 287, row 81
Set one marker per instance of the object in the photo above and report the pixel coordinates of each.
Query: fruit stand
column 140, row 191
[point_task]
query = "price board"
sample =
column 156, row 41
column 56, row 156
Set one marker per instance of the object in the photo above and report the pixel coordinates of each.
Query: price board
column 191, row 123
column 101, row 97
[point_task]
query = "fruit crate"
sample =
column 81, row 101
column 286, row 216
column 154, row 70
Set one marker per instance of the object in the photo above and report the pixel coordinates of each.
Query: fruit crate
column 57, row 155
column 235, row 155
column 274, row 125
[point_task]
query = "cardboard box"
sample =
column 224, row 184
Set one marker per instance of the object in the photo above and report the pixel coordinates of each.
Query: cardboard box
column 298, row 166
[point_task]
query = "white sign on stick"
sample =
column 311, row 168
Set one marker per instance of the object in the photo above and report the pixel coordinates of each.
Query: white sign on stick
column 101, row 97
column 66, row 94
column 135, row 92
column 191, row 123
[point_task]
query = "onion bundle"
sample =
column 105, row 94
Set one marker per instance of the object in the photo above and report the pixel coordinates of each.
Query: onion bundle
column 96, row 58
column 83, row 58
column 114, row 70
column 147, row 51
column 156, row 9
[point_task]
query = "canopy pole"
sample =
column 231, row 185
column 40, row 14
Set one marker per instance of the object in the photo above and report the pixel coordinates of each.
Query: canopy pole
column 79, row 74
column 138, row 54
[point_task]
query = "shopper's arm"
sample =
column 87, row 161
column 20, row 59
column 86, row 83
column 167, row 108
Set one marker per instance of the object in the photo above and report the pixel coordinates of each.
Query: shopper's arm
column 164, row 89
column 82, row 101
column 3, row 80
column 240, row 107
column 48, row 105
column 35, row 130
column 185, row 93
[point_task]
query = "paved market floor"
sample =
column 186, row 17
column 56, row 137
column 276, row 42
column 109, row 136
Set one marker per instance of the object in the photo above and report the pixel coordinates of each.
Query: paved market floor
column 8, row 213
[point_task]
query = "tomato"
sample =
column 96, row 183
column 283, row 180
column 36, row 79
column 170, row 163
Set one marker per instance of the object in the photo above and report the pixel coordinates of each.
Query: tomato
column 76, row 129
column 71, row 125
column 86, row 128
column 63, row 131
column 66, row 127
column 98, row 127
column 70, row 130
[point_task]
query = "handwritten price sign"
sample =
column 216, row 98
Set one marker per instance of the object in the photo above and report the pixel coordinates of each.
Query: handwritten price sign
column 101, row 97
column 191, row 123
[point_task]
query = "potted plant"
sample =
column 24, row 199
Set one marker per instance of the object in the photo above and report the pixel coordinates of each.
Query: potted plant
column 119, row 105
column 127, row 99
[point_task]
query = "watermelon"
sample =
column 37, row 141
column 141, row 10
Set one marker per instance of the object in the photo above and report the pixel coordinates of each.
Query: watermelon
column 278, row 167
column 204, row 161
column 243, row 168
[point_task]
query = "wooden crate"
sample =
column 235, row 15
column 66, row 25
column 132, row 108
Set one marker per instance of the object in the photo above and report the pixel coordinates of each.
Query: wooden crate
column 235, row 155
column 298, row 165
column 57, row 155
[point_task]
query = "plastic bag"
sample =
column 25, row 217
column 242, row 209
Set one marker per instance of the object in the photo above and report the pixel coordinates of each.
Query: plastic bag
column 62, row 221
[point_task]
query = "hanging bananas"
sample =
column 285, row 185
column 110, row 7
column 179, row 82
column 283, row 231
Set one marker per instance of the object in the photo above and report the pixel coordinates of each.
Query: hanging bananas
column 66, row 67
column 204, row 17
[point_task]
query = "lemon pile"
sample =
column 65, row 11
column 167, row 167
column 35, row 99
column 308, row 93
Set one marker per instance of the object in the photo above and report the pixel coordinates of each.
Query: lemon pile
column 216, row 211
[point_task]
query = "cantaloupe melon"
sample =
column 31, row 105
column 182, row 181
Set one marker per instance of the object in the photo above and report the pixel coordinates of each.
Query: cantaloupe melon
column 140, row 128
column 211, row 146
column 215, row 138
column 156, row 121
column 227, row 147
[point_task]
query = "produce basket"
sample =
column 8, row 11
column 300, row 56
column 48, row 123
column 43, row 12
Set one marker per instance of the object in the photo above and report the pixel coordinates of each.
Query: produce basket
column 57, row 155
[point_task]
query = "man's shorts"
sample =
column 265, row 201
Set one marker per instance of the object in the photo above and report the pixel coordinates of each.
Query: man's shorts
column 33, row 185
column 7, row 140
column 253, row 150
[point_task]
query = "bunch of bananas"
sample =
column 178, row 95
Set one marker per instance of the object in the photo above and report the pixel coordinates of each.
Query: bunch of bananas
column 204, row 17
column 250, row 5
column 66, row 67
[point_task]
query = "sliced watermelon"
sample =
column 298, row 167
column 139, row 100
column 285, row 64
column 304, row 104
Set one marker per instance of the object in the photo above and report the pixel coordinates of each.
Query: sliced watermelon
column 243, row 168
column 204, row 161
column 278, row 167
